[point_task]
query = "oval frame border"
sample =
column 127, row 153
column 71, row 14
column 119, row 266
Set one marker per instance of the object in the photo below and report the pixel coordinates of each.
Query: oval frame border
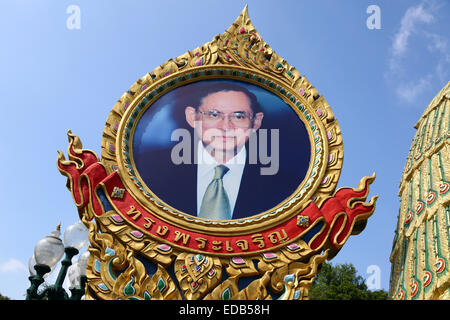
column 261, row 221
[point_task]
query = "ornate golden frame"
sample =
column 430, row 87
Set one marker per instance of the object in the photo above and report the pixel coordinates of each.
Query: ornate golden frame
column 135, row 185
column 239, row 54
column 122, row 249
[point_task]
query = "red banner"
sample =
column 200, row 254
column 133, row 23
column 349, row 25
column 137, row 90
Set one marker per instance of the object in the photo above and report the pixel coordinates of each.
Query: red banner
column 329, row 225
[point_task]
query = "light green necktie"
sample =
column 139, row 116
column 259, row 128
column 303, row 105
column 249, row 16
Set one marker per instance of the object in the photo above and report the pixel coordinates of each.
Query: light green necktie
column 215, row 203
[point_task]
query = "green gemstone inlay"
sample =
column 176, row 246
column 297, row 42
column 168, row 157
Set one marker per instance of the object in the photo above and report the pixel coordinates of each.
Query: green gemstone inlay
column 147, row 296
column 161, row 284
column 111, row 271
column 226, row 294
column 129, row 289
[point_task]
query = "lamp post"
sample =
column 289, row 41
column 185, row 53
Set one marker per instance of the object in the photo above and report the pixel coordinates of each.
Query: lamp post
column 47, row 252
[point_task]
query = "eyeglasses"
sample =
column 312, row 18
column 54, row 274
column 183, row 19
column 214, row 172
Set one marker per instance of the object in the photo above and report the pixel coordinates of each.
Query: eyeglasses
column 238, row 118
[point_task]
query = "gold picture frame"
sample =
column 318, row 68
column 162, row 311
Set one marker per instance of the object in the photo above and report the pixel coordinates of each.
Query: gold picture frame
column 143, row 248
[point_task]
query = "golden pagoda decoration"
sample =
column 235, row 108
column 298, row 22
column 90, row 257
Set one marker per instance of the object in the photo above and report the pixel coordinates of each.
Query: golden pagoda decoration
column 420, row 252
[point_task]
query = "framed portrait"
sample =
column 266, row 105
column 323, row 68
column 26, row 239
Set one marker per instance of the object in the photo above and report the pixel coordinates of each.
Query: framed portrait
column 219, row 147
column 177, row 134
column 218, row 165
column 184, row 135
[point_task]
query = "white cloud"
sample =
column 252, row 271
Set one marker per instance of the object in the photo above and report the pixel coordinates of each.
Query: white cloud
column 12, row 266
column 437, row 43
column 409, row 91
column 410, row 21
column 415, row 27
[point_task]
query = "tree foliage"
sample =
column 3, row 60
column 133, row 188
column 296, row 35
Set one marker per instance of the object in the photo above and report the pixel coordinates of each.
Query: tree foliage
column 341, row 282
column 2, row 297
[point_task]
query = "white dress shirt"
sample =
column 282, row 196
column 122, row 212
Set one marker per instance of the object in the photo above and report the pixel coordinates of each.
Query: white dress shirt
column 231, row 180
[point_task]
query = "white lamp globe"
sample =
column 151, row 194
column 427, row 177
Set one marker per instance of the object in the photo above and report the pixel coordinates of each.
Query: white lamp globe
column 32, row 263
column 48, row 251
column 76, row 235
column 82, row 263
column 74, row 276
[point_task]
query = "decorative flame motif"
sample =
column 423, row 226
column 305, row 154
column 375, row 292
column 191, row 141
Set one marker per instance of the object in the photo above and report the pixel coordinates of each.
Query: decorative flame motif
column 118, row 274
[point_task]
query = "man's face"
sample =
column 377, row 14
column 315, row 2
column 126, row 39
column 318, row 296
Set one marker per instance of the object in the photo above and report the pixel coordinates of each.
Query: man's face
column 220, row 120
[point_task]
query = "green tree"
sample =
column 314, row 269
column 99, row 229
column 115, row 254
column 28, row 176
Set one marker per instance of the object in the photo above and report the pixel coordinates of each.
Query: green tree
column 3, row 297
column 341, row 282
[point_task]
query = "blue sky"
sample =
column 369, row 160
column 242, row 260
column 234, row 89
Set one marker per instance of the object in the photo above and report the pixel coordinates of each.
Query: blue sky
column 377, row 81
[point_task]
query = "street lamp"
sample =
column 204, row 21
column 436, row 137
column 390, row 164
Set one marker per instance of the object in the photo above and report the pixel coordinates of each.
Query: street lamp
column 47, row 252
column 77, row 276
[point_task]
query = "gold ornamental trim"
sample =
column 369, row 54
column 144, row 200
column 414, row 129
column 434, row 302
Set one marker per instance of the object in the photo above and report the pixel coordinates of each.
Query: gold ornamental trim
column 142, row 248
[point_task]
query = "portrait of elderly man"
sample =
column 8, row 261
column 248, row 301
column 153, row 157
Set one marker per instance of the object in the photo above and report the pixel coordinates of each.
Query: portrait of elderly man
column 215, row 172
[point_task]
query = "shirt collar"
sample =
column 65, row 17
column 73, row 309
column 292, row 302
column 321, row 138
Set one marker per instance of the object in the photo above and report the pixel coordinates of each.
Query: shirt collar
column 209, row 163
